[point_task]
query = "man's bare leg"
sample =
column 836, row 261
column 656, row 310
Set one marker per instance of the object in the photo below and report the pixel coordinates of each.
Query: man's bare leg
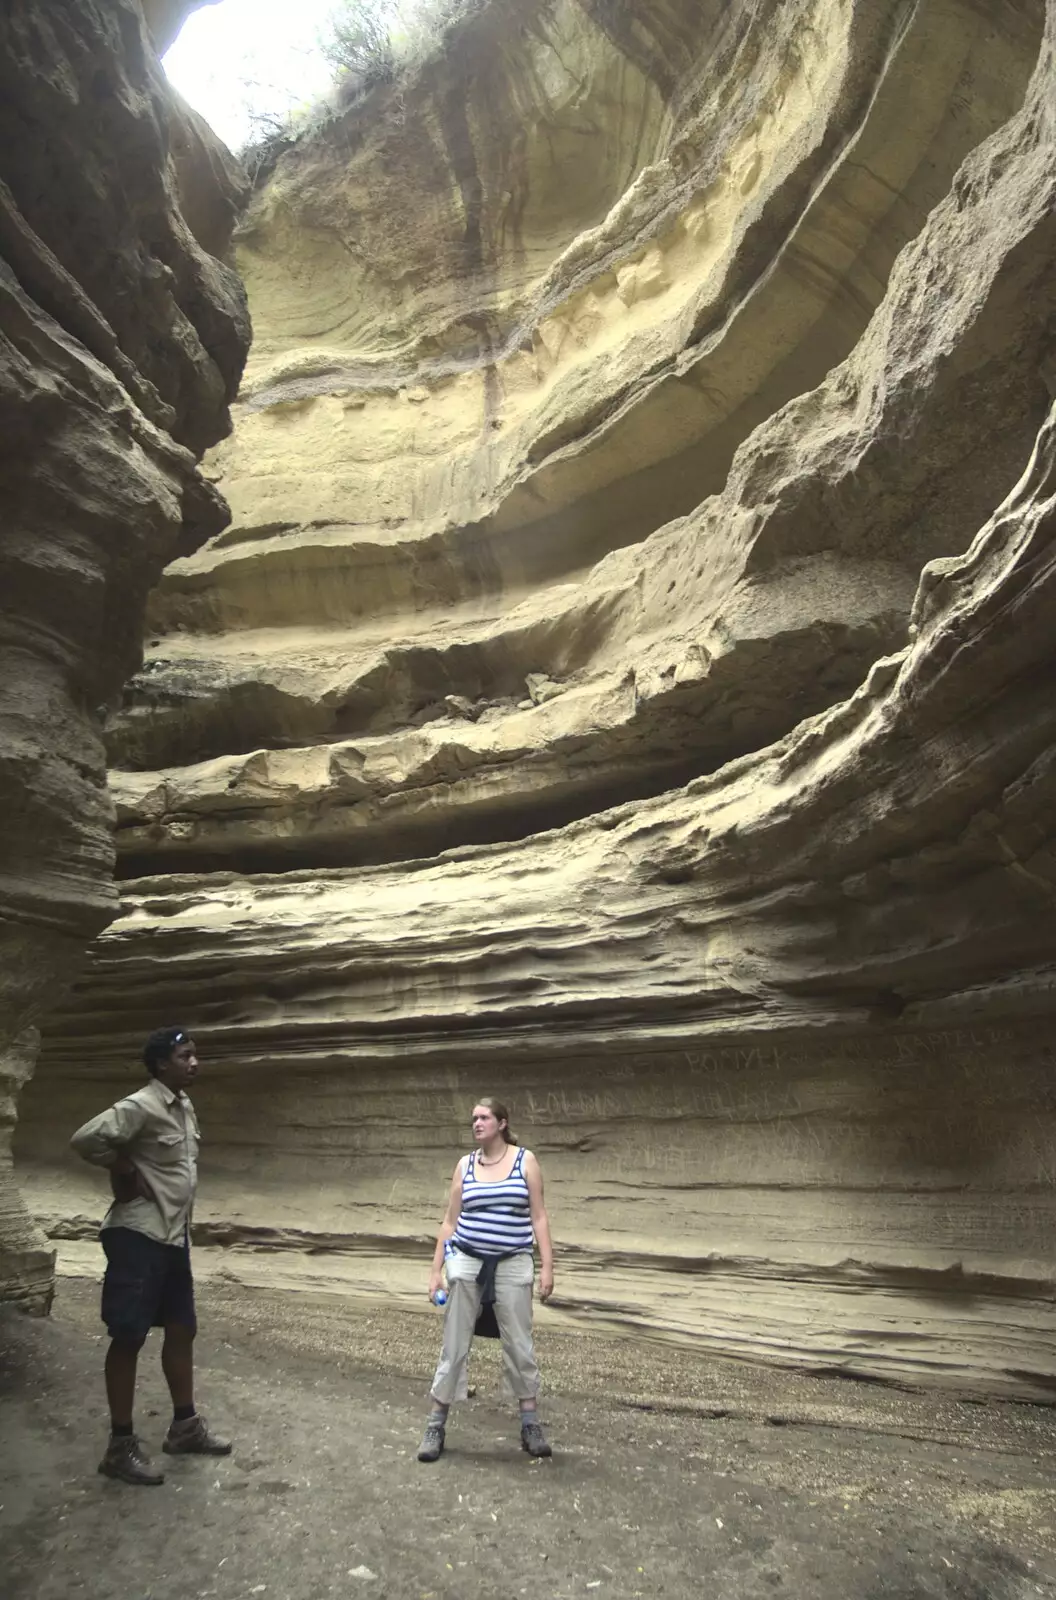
column 189, row 1433
column 124, row 1456
column 120, row 1369
column 177, row 1363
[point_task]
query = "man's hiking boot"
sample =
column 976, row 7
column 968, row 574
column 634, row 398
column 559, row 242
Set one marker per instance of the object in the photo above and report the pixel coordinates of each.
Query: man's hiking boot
column 432, row 1445
column 126, row 1459
column 534, row 1440
column 192, row 1438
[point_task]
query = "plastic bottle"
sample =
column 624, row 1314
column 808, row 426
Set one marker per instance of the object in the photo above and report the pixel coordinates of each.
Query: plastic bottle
column 440, row 1297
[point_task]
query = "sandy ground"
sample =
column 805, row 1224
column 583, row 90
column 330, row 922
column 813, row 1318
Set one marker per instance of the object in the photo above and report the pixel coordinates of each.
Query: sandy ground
column 673, row 1474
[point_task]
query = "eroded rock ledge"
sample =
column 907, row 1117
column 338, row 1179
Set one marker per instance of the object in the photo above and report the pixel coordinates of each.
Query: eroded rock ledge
column 121, row 346
column 512, row 329
column 782, row 1038
column 782, row 1035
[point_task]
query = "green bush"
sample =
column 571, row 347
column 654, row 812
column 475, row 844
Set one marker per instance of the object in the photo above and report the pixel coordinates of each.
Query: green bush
column 358, row 40
column 364, row 42
column 373, row 40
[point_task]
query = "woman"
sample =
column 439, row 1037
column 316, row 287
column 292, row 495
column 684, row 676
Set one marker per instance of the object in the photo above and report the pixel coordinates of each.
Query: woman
column 485, row 1242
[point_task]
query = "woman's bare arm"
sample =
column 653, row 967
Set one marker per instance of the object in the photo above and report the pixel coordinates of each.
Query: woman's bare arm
column 541, row 1223
column 447, row 1228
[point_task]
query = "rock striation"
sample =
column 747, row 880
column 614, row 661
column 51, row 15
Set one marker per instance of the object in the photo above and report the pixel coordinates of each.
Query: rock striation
column 121, row 345
column 624, row 686
column 498, row 350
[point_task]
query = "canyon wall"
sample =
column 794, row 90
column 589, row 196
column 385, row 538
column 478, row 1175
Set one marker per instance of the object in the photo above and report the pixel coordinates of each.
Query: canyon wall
column 121, row 345
column 624, row 686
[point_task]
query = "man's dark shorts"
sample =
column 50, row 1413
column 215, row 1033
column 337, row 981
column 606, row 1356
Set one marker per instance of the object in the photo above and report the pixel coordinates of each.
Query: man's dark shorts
column 146, row 1285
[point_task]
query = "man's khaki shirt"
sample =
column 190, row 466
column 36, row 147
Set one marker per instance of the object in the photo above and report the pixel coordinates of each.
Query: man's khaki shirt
column 158, row 1131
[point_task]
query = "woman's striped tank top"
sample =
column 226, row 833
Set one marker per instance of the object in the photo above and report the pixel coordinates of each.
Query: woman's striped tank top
column 495, row 1219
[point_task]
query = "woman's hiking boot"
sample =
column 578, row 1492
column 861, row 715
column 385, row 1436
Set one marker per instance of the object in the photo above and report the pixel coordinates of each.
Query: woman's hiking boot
column 432, row 1445
column 534, row 1440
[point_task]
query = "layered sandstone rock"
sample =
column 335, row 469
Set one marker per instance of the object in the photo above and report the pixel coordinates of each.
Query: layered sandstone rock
column 781, row 1039
column 648, row 439
column 121, row 344
column 507, row 327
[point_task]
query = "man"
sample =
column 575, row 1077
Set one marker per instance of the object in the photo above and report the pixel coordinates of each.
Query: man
column 149, row 1142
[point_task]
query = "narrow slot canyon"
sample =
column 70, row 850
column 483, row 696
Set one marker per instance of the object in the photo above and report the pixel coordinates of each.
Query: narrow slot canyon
column 542, row 584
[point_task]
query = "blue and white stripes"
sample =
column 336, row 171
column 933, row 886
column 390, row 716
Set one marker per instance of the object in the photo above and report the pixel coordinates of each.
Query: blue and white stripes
column 495, row 1218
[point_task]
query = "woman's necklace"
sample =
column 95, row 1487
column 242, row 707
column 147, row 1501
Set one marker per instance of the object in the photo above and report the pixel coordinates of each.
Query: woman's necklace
column 482, row 1163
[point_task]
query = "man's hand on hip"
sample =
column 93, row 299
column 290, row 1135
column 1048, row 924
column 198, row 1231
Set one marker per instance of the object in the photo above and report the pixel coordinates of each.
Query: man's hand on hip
column 127, row 1182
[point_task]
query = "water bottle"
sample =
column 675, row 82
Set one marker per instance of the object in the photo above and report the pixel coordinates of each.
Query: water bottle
column 440, row 1297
